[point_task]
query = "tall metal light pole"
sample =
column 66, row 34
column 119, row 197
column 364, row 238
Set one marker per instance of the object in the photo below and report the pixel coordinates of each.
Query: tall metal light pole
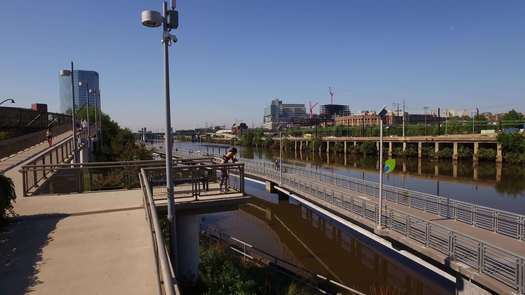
column 87, row 111
column 382, row 113
column 403, row 118
column 280, row 157
column 169, row 21
column 96, row 112
column 73, row 111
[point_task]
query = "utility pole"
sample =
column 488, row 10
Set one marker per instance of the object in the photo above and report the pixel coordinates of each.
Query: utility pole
column 404, row 118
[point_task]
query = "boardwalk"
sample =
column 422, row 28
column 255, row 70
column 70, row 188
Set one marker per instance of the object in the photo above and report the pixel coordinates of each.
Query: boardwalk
column 96, row 243
column 494, row 258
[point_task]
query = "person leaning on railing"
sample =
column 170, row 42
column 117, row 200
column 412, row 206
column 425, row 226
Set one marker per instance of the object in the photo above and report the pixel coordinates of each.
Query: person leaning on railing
column 226, row 158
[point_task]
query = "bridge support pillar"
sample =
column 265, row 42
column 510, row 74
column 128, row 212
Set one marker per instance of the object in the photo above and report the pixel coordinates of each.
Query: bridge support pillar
column 465, row 286
column 404, row 146
column 301, row 145
column 328, row 147
column 499, row 153
column 355, row 144
column 187, row 246
column 436, row 150
column 389, row 149
column 295, row 145
column 455, row 155
column 270, row 187
column 475, row 154
column 345, row 147
column 419, row 149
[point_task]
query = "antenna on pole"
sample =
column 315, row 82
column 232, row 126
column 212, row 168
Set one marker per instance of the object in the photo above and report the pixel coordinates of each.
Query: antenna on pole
column 331, row 90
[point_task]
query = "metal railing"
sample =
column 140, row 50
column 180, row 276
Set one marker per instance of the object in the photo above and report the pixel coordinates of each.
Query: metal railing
column 202, row 176
column 66, row 178
column 495, row 220
column 13, row 145
column 499, row 264
column 166, row 279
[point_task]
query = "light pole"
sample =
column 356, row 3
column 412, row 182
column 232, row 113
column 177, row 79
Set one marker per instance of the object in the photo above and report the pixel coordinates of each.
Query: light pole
column 169, row 21
column 87, row 111
column 381, row 114
column 280, row 157
column 73, row 111
column 96, row 113
column 6, row 100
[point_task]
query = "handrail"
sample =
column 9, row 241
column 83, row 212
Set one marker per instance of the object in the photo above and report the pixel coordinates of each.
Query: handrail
column 161, row 255
column 497, row 263
column 499, row 221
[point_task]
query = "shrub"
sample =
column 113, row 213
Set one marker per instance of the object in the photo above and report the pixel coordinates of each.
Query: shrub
column 7, row 197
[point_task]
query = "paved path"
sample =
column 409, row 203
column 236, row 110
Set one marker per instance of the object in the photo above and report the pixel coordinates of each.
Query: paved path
column 94, row 243
column 23, row 156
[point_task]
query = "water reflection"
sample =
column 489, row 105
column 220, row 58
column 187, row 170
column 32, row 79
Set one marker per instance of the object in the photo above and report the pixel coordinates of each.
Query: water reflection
column 307, row 238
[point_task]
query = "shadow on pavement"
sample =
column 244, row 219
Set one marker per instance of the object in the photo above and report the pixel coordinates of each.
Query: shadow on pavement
column 21, row 244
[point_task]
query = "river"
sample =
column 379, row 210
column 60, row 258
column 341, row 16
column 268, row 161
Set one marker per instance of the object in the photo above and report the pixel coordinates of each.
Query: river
column 305, row 237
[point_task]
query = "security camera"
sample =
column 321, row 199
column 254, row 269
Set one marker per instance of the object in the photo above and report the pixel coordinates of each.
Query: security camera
column 151, row 18
column 170, row 37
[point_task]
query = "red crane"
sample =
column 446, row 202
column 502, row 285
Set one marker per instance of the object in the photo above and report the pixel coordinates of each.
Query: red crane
column 312, row 106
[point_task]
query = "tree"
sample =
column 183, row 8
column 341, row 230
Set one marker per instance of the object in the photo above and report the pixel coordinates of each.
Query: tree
column 512, row 119
column 7, row 197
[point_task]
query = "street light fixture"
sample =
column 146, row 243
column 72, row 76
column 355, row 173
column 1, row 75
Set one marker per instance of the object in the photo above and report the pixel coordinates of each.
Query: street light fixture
column 6, row 100
column 168, row 21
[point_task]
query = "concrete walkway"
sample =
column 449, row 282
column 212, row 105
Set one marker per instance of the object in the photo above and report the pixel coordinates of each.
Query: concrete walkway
column 94, row 243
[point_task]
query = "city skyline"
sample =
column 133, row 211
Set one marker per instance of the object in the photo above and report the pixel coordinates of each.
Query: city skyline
column 233, row 58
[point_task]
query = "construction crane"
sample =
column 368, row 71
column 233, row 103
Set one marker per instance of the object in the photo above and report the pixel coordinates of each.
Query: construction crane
column 312, row 106
column 332, row 93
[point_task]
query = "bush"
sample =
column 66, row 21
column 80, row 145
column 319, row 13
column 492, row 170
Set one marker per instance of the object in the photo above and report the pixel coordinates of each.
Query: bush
column 7, row 197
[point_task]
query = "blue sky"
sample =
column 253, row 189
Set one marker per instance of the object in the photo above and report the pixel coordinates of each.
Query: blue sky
column 234, row 56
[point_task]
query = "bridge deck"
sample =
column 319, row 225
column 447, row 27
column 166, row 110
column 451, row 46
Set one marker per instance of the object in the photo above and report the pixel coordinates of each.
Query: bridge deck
column 501, row 241
column 95, row 243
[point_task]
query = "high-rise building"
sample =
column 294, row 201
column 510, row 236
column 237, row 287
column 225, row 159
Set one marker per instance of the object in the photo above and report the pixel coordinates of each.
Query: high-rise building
column 88, row 81
column 286, row 115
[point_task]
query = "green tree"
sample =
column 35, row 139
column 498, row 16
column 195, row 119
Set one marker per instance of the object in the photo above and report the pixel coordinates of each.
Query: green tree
column 7, row 198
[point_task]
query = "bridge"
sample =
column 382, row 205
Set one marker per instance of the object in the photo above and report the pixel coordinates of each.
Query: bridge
column 435, row 142
column 95, row 228
column 478, row 244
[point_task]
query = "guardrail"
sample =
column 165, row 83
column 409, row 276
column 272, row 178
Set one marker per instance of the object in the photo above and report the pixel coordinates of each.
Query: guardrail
column 499, row 221
column 201, row 175
column 166, row 278
column 499, row 264
column 65, row 178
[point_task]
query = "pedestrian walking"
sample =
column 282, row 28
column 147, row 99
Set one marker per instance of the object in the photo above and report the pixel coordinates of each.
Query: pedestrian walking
column 49, row 136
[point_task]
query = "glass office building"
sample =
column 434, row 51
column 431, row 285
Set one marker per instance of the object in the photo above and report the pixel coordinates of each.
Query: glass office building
column 88, row 81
